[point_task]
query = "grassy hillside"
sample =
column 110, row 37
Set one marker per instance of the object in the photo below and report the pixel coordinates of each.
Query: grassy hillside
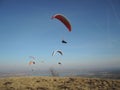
column 58, row 83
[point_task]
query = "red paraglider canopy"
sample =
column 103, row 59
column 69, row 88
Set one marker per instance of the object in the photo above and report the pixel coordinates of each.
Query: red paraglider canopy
column 63, row 20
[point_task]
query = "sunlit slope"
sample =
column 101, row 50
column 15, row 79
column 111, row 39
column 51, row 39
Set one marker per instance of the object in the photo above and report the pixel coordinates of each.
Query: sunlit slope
column 58, row 83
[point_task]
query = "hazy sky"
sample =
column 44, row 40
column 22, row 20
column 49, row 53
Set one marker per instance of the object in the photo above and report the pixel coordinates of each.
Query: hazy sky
column 26, row 29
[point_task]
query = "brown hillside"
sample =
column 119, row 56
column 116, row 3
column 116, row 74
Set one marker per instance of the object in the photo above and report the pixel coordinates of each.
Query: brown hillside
column 58, row 83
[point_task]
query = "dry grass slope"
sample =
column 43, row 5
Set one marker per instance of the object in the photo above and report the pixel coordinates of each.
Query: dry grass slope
column 58, row 83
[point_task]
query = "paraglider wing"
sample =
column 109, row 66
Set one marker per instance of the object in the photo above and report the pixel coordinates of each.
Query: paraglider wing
column 63, row 20
column 53, row 53
column 60, row 52
column 63, row 41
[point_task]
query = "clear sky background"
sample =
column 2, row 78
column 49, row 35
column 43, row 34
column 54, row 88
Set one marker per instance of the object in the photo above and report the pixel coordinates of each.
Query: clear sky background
column 26, row 29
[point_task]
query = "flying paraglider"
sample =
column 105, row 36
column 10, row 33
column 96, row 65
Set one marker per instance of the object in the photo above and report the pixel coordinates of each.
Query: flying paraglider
column 58, row 51
column 64, row 20
column 59, row 63
column 63, row 41
column 31, row 62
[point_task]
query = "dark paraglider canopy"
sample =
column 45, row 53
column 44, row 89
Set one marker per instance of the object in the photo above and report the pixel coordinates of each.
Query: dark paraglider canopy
column 58, row 51
column 59, row 63
column 63, row 41
column 31, row 62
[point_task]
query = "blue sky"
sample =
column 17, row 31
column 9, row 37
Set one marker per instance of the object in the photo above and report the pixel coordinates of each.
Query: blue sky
column 26, row 29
